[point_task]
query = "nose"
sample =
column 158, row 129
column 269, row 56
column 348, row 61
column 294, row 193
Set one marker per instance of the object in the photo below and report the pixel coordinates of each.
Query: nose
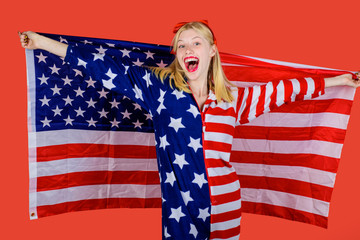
column 188, row 49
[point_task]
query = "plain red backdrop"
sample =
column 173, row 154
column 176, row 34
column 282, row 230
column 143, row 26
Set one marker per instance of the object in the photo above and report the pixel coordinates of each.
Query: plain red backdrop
column 315, row 32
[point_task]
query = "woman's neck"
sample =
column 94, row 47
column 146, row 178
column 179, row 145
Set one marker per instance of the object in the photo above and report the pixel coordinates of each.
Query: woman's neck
column 200, row 92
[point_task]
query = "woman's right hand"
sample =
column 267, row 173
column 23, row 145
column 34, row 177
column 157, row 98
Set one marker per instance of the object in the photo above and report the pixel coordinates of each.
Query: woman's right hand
column 29, row 39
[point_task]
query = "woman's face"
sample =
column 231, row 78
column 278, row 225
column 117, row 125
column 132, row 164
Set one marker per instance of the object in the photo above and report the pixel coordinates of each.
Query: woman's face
column 194, row 54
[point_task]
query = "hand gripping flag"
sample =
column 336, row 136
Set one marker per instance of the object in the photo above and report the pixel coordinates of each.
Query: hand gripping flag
column 90, row 148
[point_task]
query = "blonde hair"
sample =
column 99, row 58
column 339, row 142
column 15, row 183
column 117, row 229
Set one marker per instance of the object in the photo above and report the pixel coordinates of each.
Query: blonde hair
column 217, row 80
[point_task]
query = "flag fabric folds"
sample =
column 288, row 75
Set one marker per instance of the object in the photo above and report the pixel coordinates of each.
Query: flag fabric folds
column 90, row 148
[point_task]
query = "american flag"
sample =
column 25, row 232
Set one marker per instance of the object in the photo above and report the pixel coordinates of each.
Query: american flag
column 90, row 148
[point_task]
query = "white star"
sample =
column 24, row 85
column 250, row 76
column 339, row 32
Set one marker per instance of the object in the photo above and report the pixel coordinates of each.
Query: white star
column 90, row 82
column 101, row 50
column 43, row 79
column 137, row 106
column 91, row 122
column 195, row 144
column 138, row 63
column 147, row 79
column 79, row 112
column 125, row 52
column 41, row 58
column 87, row 42
column 176, row 124
column 163, row 142
column 68, row 100
column 91, row 103
column 103, row 113
column 126, row 68
column 54, row 69
column 44, row 101
column 108, row 83
column 161, row 100
column 137, row 124
column 178, row 94
column 55, row 90
column 63, row 40
column 170, row 178
column 180, row 160
column 98, row 56
column 193, row 230
column 77, row 72
column 204, row 213
column 161, row 64
column 110, row 74
column 176, row 213
column 67, row 80
column 148, row 116
column 114, row 104
column 46, row 122
column 138, row 93
column 126, row 114
column 79, row 92
column 110, row 44
column 81, row 62
column 186, row 197
column 57, row 111
column 103, row 93
column 149, row 54
column 199, row 179
column 68, row 120
column 166, row 234
column 114, row 123
column 194, row 110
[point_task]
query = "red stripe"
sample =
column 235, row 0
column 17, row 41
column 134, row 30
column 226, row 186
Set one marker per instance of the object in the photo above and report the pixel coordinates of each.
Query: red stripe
column 220, row 128
column 261, row 101
column 212, row 163
column 226, row 198
column 284, row 212
column 222, row 217
column 291, row 133
column 341, row 106
column 305, row 160
column 217, row 146
column 91, row 204
column 221, row 180
column 218, row 111
column 64, row 151
column 225, row 233
column 306, row 189
column 96, row 177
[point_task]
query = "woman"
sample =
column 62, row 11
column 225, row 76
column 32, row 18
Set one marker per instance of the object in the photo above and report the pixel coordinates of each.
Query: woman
column 194, row 109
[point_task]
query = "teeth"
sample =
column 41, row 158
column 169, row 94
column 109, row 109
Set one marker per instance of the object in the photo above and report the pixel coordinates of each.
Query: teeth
column 191, row 60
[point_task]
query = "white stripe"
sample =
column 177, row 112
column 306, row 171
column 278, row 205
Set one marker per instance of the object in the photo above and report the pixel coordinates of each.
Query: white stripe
column 275, row 119
column 226, row 207
column 254, row 102
column 71, row 165
column 225, row 225
column 311, row 88
column 220, row 171
column 269, row 90
column 58, row 137
column 296, row 89
column 280, row 93
column 231, row 238
column 98, row 192
column 323, row 148
column 218, row 137
column 340, row 92
column 243, row 103
column 217, row 154
column 220, row 119
column 288, row 200
column 226, row 188
column 303, row 174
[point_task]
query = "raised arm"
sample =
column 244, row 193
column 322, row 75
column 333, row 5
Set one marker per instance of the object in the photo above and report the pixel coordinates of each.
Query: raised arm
column 32, row 40
column 343, row 80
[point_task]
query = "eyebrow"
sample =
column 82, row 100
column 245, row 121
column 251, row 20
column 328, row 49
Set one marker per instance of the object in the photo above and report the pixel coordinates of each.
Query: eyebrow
column 191, row 39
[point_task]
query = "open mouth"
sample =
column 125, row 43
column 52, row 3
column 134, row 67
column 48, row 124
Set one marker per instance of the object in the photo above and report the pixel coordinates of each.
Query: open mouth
column 191, row 64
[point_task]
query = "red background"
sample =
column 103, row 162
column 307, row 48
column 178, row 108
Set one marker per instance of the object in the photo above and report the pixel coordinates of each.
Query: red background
column 315, row 32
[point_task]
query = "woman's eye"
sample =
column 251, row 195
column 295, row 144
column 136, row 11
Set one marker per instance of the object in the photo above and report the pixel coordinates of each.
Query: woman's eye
column 181, row 46
column 196, row 43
